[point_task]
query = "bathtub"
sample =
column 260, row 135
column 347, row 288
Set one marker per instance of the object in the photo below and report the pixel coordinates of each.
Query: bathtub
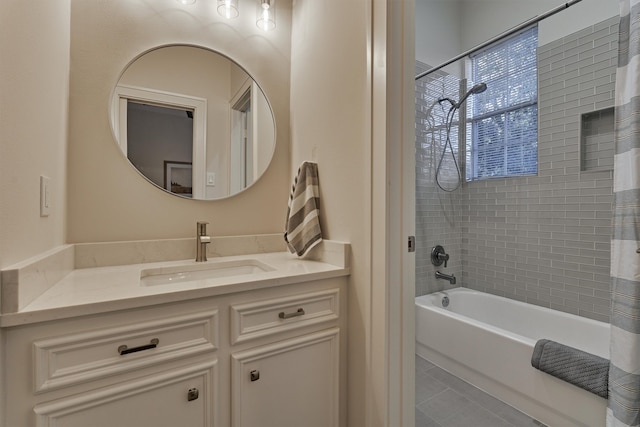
column 488, row 341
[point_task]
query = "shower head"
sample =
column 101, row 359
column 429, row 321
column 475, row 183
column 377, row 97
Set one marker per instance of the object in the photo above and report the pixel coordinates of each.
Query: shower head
column 479, row 88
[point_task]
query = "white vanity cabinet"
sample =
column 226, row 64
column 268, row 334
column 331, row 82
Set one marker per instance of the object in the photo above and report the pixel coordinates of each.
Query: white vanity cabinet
column 291, row 382
column 259, row 358
column 181, row 397
column 153, row 366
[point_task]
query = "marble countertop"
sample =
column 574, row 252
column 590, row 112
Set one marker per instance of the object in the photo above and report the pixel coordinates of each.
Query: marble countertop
column 103, row 289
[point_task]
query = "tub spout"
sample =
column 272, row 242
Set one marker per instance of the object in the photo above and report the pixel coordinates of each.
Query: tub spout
column 450, row 277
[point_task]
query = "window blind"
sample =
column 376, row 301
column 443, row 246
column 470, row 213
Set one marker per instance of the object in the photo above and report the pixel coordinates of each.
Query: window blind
column 504, row 119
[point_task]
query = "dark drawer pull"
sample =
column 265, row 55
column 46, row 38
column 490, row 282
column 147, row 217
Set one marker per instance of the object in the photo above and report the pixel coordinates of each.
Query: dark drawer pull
column 193, row 394
column 284, row 315
column 123, row 349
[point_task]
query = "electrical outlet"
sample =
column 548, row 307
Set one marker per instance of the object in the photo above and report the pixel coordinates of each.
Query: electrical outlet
column 45, row 196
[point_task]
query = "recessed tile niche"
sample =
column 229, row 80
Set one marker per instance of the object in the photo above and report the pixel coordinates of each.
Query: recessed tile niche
column 596, row 140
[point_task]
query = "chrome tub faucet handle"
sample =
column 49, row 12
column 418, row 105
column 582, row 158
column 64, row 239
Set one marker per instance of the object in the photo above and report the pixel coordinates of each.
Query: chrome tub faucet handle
column 438, row 256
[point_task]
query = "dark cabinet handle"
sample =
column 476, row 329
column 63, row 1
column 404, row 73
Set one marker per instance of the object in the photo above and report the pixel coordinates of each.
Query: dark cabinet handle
column 284, row 315
column 123, row 349
column 192, row 394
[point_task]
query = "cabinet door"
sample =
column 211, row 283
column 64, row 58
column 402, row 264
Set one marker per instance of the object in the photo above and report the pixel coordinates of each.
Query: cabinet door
column 183, row 397
column 290, row 383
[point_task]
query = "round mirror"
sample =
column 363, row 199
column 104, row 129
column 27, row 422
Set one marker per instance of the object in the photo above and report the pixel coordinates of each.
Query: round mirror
column 193, row 122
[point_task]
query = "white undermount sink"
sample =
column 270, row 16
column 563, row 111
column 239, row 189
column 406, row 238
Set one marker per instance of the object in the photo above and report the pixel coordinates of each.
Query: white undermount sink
column 202, row 271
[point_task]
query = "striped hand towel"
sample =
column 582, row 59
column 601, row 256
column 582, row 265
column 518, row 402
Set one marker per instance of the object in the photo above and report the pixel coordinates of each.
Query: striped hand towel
column 302, row 231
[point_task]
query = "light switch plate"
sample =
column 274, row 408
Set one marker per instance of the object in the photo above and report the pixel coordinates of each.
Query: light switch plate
column 45, row 196
column 211, row 179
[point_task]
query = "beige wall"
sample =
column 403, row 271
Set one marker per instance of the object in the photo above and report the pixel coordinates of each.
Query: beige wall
column 108, row 200
column 330, row 124
column 34, row 65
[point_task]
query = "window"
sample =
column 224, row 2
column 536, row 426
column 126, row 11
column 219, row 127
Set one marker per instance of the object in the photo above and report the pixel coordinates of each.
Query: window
column 502, row 132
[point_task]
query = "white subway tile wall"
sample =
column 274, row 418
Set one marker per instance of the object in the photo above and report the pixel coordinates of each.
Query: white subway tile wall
column 542, row 239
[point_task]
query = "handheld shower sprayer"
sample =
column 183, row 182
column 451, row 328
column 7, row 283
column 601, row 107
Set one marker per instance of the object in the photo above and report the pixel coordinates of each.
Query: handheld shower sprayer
column 478, row 88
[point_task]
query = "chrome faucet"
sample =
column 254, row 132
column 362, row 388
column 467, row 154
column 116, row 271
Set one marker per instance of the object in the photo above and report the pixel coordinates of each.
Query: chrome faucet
column 438, row 256
column 202, row 240
column 450, row 277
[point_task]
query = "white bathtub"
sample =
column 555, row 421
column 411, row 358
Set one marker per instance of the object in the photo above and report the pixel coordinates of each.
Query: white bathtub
column 488, row 341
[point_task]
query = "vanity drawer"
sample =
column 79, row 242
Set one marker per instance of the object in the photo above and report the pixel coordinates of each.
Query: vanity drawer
column 267, row 317
column 76, row 358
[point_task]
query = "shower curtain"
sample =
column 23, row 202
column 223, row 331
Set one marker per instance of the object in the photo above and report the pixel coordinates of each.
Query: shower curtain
column 624, row 372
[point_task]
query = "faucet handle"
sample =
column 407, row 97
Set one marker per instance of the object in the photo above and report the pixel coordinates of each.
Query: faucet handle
column 444, row 257
column 201, row 227
column 438, row 256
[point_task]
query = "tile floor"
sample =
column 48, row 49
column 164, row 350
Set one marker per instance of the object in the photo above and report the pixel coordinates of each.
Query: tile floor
column 443, row 400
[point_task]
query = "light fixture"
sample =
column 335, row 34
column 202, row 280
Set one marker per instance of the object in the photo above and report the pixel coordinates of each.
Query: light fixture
column 228, row 8
column 186, row 2
column 266, row 15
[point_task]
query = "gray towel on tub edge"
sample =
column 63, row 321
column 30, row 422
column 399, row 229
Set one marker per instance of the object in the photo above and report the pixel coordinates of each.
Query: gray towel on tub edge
column 574, row 366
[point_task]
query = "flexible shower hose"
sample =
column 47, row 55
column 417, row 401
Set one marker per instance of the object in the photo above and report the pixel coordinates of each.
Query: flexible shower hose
column 449, row 123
